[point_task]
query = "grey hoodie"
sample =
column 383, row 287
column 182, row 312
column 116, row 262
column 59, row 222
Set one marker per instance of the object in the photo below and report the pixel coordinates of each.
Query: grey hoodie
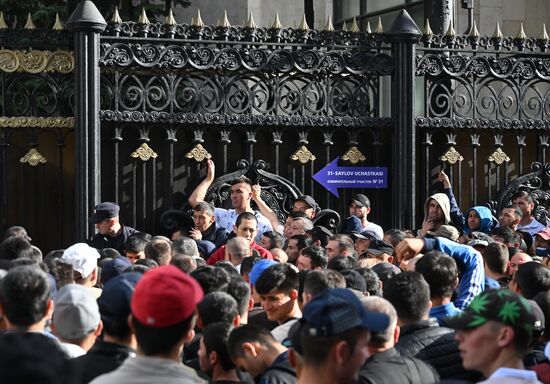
column 443, row 200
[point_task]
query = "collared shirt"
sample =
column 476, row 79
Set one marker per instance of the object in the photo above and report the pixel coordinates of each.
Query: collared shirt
column 512, row 375
column 532, row 228
column 226, row 218
column 441, row 311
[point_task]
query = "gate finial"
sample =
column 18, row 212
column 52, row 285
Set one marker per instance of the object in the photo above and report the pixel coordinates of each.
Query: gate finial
column 544, row 34
column 29, row 24
column 328, row 26
column 379, row 28
column 277, row 23
column 521, row 33
column 170, row 19
column 197, row 21
column 303, row 25
column 498, row 32
column 250, row 23
column 473, row 32
column 3, row 24
column 225, row 23
column 58, row 26
column 143, row 17
column 116, row 17
column 354, row 26
column 427, row 29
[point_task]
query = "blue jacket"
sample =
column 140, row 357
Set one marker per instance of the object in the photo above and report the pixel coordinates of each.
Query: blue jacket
column 486, row 220
column 470, row 266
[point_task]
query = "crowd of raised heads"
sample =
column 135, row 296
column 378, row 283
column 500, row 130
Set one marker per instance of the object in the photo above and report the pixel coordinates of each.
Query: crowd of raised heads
column 236, row 296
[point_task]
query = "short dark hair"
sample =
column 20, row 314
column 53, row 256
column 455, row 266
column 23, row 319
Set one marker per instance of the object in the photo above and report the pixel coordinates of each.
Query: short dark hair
column 25, row 293
column 318, row 281
column 15, row 247
column 215, row 337
column 302, row 241
column 532, row 278
column 496, row 257
column 217, row 306
column 521, row 194
column 186, row 263
column 409, row 293
column 395, row 235
column 374, row 287
column 277, row 240
column 185, row 246
column 345, row 243
column 108, row 253
column 340, row 263
column 317, row 255
column 137, row 242
column 517, row 212
column 155, row 340
column 248, row 263
column 440, row 272
column 147, row 263
column 229, row 268
column 241, row 179
column 316, row 349
column 240, row 291
column 280, row 277
column 506, row 233
column 245, row 216
column 203, row 206
column 17, row 231
column 211, row 278
column 249, row 333
column 158, row 250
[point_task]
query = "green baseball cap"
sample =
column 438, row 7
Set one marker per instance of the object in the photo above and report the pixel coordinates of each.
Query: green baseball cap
column 500, row 305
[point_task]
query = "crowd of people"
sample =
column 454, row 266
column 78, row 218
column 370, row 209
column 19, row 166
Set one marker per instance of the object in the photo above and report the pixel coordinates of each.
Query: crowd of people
column 239, row 297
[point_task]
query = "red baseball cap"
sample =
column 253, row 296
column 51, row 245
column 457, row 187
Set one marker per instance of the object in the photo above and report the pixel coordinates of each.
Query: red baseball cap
column 545, row 234
column 165, row 296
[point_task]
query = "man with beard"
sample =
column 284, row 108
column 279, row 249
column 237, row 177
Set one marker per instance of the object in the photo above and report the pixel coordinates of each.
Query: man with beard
column 436, row 213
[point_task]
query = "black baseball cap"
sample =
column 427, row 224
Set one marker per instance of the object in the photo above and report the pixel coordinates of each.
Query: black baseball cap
column 309, row 201
column 104, row 211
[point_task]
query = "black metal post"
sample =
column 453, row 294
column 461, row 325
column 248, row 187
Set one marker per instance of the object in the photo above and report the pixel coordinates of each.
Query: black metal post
column 87, row 23
column 404, row 34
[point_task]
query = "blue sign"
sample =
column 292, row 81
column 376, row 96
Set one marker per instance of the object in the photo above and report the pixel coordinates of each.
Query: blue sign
column 333, row 177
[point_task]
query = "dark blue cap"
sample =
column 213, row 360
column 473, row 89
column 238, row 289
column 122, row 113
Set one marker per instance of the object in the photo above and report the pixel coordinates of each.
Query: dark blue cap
column 114, row 268
column 338, row 310
column 114, row 302
column 104, row 211
column 351, row 224
column 206, row 248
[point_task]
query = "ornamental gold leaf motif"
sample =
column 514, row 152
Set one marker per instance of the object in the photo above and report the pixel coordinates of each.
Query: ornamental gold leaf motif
column 303, row 155
column 36, row 61
column 498, row 157
column 451, row 156
column 354, row 155
column 36, row 122
column 144, row 152
column 33, row 158
column 198, row 153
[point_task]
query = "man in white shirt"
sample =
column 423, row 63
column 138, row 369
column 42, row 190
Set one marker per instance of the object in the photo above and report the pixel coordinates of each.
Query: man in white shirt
column 524, row 201
column 241, row 195
column 494, row 334
column 359, row 206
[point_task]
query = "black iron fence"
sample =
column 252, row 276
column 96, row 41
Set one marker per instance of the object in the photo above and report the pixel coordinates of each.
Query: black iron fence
column 152, row 101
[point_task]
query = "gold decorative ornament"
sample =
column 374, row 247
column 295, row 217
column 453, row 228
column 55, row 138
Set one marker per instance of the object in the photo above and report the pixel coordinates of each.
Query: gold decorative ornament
column 354, row 155
column 198, row 153
column 369, row 30
column 303, row 25
column 144, row 152
column 544, row 34
column 354, row 26
column 29, row 24
column 143, row 19
column 498, row 32
column 451, row 156
column 328, row 26
column 3, row 24
column 33, row 158
column 521, row 33
column 36, row 122
column 379, row 28
column 116, row 17
column 250, row 23
column 303, row 155
column 451, row 30
column 427, row 29
column 225, row 23
column 197, row 21
column 473, row 31
column 277, row 23
column 170, row 19
column 36, row 61
column 498, row 157
column 58, row 26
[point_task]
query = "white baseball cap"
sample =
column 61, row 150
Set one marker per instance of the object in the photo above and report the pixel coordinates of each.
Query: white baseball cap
column 82, row 257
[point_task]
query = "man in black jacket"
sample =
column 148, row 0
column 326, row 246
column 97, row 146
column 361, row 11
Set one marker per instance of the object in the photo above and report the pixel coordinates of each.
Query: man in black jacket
column 421, row 336
column 118, row 341
column 112, row 234
column 385, row 364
